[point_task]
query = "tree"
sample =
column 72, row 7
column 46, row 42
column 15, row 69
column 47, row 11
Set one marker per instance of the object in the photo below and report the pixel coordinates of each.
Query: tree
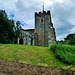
column 70, row 39
column 7, row 33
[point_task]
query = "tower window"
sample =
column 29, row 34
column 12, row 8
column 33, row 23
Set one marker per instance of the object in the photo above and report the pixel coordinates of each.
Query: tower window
column 42, row 20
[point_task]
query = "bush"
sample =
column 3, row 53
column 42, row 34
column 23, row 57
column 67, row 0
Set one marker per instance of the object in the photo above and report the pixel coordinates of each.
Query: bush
column 65, row 53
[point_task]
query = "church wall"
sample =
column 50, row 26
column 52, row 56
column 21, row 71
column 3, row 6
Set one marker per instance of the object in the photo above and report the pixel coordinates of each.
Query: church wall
column 39, row 29
column 27, row 36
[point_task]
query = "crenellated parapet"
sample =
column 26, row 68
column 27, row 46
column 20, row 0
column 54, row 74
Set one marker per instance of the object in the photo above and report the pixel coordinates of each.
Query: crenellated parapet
column 41, row 13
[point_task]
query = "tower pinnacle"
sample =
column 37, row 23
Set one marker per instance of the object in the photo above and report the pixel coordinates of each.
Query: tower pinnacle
column 43, row 6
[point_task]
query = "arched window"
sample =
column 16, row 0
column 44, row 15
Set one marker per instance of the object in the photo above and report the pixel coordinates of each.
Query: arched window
column 42, row 20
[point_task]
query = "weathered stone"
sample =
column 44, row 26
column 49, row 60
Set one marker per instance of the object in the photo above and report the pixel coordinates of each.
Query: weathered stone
column 44, row 30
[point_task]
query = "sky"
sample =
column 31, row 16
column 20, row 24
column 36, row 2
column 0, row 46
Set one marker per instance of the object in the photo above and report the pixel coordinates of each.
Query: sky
column 62, row 13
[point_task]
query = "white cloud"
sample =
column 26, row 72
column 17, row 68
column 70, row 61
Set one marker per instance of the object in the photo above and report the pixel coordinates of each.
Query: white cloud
column 29, row 25
column 71, row 19
column 73, row 30
column 60, row 37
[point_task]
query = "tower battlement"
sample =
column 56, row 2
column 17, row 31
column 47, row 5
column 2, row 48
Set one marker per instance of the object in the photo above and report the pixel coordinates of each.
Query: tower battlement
column 44, row 12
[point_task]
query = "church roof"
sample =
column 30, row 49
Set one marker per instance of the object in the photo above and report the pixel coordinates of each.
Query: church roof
column 28, row 29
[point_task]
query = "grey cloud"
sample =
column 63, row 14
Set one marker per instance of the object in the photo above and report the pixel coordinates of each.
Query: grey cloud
column 62, row 13
column 28, row 5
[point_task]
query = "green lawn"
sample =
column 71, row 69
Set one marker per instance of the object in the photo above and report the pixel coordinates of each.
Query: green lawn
column 34, row 55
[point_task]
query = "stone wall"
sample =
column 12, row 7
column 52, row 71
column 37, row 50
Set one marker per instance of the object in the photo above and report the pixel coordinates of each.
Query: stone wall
column 13, row 68
column 44, row 29
column 27, row 37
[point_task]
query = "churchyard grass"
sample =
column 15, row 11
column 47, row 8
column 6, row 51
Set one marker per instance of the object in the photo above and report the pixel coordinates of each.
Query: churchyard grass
column 33, row 55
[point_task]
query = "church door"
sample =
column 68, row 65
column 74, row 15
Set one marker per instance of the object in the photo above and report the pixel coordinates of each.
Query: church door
column 21, row 41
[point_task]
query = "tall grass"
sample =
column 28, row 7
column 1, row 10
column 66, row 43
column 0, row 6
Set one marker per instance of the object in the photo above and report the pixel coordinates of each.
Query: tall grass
column 65, row 53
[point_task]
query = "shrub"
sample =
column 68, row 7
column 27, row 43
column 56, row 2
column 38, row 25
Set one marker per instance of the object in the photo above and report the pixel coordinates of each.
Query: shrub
column 65, row 53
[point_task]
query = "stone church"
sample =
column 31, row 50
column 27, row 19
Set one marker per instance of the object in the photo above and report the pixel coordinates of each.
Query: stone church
column 42, row 35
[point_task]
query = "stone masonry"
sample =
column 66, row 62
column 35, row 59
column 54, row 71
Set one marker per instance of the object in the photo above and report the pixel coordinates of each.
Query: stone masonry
column 44, row 30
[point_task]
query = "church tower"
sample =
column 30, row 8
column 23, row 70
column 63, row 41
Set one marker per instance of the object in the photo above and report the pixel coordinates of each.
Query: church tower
column 44, row 30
